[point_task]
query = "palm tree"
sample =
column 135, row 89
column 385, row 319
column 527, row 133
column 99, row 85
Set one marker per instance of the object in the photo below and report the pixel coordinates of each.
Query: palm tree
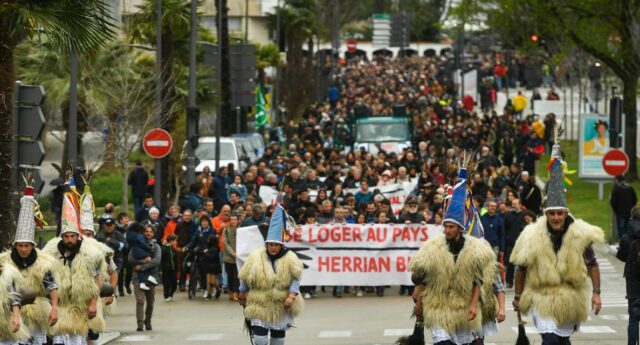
column 298, row 21
column 70, row 25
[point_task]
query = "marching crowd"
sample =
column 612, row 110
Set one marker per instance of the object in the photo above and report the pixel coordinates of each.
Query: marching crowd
column 132, row 253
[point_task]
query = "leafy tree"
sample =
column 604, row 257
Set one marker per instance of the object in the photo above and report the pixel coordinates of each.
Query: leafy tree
column 607, row 30
column 70, row 25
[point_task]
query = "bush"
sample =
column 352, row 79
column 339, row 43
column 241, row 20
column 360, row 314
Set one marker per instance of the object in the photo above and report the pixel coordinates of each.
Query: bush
column 106, row 187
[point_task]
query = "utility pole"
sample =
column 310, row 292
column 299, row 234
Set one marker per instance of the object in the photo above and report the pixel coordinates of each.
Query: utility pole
column 192, row 108
column 246, row 21
column 219, row 67
column 157, row 187
column 275, row 105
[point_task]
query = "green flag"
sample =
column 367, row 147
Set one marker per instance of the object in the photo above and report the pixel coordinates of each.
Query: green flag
column 261, row 109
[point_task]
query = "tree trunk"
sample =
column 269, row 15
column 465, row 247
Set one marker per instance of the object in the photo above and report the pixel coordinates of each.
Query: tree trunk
column 228, row 117
column 7, row 89
column 630, row 128
column 125, row 185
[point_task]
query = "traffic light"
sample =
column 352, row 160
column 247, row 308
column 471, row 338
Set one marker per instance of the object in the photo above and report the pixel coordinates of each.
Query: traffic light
column 193, row 128
column 400, row 30
column 534, row 38
column 615, row 122
column 28, row 125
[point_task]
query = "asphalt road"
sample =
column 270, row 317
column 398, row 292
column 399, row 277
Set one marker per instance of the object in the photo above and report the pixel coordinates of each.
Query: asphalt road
column 350, row 320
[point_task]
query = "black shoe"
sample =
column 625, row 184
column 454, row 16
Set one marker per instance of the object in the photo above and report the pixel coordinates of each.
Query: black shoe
column 139, row 329
column 402, row 290
column 128, row 290
column 147, row 325
column 121, row 293
column 226, row 291
column 219, row 292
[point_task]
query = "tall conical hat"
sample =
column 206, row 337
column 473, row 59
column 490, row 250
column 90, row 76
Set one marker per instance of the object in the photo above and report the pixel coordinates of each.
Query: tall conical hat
column 87, row 209
column 455, row 212
column 70, row 206
column 277, row 226
column 26, row 227
column 556, row 198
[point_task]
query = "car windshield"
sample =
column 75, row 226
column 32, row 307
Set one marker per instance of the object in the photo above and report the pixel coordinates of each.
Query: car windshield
column 207, row 151
column 382, row 132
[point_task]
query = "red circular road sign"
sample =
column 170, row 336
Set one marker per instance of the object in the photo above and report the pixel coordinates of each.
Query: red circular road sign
column 351, row 45
column 615, row 162
column 157, row 143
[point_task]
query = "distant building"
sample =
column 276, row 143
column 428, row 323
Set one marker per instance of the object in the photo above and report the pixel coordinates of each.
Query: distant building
column 246, row 17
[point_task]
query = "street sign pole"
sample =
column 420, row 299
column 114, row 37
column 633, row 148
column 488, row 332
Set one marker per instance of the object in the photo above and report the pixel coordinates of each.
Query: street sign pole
column 157, row 187
column 192, row 111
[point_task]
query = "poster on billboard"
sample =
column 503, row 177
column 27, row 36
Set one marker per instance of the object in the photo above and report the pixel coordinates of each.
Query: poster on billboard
column 593, row 144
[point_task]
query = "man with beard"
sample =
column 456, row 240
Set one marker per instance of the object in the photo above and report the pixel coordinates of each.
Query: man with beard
column 37, row 270
column 554, row 256
column 79, row 268
column 452, row 273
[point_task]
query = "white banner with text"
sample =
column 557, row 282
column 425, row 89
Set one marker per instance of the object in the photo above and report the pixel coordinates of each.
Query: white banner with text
column 349, row 254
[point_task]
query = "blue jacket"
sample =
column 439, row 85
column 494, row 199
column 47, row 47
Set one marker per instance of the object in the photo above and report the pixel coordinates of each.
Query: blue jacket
column 493, row 230
column 200, row 239
column 220, row 185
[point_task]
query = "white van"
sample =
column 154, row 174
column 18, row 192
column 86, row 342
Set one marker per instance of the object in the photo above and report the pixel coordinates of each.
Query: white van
column 230, row 152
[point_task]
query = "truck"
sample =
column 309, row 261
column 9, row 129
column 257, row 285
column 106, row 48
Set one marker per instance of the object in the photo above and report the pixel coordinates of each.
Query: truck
column 375, row 132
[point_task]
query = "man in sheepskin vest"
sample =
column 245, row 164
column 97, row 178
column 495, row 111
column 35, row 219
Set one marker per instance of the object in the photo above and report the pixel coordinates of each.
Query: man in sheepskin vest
column 454, row 277
column 270, row 285
column 554, row 257
column 109, row 270
column 79, row 266
column 37, row 270
column 12, row 329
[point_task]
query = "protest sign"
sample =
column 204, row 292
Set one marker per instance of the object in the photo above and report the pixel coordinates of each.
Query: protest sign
column 349, row 254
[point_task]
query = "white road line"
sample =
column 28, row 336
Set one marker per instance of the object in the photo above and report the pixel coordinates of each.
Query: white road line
column 205, row 337
column 596, row 329
column 611, row 317
column 136, row 338
column 334, row 334
column 397, row 332
column 527, row 329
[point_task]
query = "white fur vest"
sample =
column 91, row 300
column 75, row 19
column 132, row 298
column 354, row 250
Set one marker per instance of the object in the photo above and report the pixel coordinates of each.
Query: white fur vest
column 270, row 289
column 77, row 287
column 556, row 283
column 9, row 278
column 36, row 315
column 449, row 284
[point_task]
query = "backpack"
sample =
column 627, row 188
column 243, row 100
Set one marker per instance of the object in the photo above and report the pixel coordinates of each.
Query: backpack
column 633, row 259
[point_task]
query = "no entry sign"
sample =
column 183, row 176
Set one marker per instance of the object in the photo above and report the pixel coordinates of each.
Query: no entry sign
column 351, row 45
column 157, row 143
column 615, row 162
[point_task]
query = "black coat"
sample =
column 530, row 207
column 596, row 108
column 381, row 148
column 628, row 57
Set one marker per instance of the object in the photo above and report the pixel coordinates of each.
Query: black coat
column 623, row 198
column 138, row 179
column 513, row 225
column 632, row 280
column 168, row 259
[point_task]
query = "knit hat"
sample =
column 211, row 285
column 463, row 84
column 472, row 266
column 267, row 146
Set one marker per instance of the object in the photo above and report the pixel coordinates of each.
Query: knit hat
column 26, row 227
column 70, row 207
column 277, row 226
column 455, row 212
column 88, row 209
column 556, row 199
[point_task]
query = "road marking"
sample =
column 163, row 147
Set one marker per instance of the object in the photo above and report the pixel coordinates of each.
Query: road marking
column 397, row 332
column 583, row 329
column 205, row 337
column 334, row 334
column 611, row 317
column 528, row 330
column 137, row 338
column 596, row 329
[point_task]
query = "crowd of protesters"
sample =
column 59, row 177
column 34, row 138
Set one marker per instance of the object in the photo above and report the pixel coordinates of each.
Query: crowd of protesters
column 303, row 159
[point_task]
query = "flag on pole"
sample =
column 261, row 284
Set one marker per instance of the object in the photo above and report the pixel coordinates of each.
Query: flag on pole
column 261, row 108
